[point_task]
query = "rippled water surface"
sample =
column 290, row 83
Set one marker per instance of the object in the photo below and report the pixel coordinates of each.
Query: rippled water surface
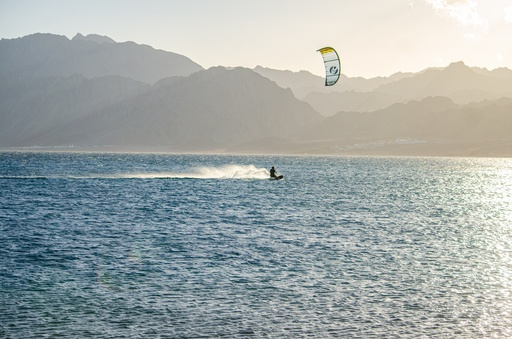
column 152, row 245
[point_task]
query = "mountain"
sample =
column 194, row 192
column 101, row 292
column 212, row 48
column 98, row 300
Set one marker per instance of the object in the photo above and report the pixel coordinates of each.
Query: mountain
column 457, row 81
column 304, row 83
column 47, row 55
column 100, row 39
column 299, row 82
column 460, row 83
column 432, row 126
column 330, row 103
column 395, row 121
column 209, row 110
column 501, row 72
column 47, row 111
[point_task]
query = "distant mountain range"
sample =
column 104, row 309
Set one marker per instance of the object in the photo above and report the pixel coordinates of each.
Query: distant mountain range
column 46, row 55
column 91, row 92
column 458, row 82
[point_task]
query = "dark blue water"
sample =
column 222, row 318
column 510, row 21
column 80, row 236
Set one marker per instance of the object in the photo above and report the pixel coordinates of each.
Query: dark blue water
column 153, row 245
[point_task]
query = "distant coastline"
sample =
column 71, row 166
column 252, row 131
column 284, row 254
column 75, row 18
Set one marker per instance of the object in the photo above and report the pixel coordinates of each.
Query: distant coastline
column 392, row 148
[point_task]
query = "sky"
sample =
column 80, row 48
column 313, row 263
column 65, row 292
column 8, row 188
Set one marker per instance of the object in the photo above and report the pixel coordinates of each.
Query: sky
column 372, row 37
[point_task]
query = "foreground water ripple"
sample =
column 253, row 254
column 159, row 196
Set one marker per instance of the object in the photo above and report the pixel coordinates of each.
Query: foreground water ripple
column 155, row 245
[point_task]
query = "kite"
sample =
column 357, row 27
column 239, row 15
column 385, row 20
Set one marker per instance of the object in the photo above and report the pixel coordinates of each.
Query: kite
column 332, row 65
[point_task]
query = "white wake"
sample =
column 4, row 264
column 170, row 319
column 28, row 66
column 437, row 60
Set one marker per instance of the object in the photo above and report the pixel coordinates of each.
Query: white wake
column 222, row 172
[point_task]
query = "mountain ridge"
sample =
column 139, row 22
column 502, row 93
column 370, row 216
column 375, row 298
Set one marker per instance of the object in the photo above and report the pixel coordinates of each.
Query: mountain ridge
column 42, row 55
column 457, row 81
column 178, row 113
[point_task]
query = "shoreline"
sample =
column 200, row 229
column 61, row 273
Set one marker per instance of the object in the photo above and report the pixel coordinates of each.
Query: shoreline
column 366, row 153
column 468, row 149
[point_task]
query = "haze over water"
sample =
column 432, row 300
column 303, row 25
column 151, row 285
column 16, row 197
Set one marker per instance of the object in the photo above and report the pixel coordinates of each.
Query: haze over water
column 155, row 245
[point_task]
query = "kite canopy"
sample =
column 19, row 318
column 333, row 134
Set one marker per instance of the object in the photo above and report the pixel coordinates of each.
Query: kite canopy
column 332, row 65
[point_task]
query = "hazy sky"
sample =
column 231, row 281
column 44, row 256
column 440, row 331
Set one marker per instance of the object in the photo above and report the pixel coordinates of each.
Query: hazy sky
column 373, row 37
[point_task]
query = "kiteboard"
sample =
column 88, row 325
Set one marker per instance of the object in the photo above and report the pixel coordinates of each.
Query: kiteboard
column 279, row 177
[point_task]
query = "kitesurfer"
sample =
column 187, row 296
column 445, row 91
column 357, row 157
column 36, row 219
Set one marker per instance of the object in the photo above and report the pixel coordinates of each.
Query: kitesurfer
column 272, row 172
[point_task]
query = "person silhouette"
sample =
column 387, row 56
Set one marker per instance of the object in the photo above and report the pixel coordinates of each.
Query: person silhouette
column 272, row 172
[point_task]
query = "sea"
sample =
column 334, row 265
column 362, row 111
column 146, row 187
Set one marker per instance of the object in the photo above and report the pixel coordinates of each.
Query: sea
column 118, row 245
